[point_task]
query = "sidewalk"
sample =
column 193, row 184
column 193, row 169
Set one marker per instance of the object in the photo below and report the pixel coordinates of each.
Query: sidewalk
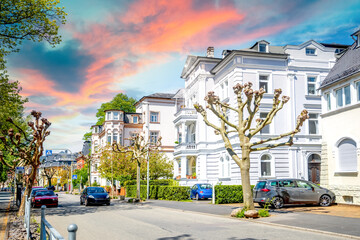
column 5, row 198
column 333, row 220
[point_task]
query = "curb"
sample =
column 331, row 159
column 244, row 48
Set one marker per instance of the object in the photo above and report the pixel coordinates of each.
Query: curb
column 272, row 224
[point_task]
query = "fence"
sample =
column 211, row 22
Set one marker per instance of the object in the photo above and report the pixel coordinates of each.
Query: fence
column 49, row 232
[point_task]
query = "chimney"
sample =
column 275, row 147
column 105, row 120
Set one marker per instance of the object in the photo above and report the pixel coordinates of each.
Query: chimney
column 210, row 52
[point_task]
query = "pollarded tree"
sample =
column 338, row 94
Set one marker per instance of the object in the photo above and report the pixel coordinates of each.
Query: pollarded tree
column 248, row 101
column 49, row 173
column 139, row 150
column 26, row 149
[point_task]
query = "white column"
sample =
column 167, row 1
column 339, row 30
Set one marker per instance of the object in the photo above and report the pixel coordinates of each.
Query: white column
column 183, row 132
column 183, row 166
column 176, row 167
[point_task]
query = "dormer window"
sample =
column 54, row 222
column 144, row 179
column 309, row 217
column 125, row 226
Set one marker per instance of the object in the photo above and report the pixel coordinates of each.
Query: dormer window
column 135, row 119
column 310, row 51
column 262, row 47
column 108, row 116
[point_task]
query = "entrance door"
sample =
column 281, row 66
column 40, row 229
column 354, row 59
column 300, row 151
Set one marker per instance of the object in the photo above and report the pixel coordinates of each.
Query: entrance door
column 314, row 167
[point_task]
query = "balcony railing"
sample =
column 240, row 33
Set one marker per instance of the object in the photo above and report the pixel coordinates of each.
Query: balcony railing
column 186, row 111
column 185, row 146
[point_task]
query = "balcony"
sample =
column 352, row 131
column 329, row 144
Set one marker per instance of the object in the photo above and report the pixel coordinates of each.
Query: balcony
column 185, row 148
column 185, row 114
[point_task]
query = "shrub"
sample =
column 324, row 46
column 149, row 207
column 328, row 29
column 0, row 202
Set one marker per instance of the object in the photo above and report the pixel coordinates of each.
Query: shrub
column 264, row 213
column 176, row 193
column 152, row 182
column 229, row 194
column 95, row 184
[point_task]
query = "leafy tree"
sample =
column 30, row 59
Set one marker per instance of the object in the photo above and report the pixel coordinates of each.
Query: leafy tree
column 116, row 165
column 87, row 136
column 82, row 176
column 250, row 100
column 119, row 102
column 34, row 20
column 159, row 166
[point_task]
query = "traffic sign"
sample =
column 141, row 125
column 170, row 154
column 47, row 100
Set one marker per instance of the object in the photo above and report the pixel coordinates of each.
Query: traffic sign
column 48, row 152
column 20, row 170
column 74, row 176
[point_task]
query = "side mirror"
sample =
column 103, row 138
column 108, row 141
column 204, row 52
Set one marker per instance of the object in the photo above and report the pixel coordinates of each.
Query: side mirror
column 57, row 195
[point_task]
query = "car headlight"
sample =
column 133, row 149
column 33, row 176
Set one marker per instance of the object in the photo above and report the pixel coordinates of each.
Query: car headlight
column 91, row 196
column 107, row 197
column 54, row 199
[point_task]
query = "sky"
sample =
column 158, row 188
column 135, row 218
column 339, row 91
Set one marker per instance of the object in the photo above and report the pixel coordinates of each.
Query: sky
column 139, row 47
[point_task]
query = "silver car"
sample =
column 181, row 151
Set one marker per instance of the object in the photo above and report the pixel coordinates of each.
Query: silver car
column 278, row 192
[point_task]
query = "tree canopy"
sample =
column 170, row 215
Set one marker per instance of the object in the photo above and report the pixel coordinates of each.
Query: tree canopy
column 34, row 20
column 119, row 102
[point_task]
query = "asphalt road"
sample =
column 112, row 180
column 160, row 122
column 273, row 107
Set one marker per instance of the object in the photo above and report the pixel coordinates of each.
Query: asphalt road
column 149, row 221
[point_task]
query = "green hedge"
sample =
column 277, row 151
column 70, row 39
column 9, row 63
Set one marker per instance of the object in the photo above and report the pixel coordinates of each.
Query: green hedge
column 176, row 193
column 229, row 194
column 160, row 182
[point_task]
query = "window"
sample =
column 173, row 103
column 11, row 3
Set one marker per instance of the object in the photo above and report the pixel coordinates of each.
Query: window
column 286, row 183
column 347, row 155
column 222, row 167
column 301, row 184
column 135, row 119
column 262, row 47
column 264, row 82
column 115, row 137
column 154, row 136
column 179, row 137
column 108, row 114
column 313, row 123
column 265, row 165
column 228, row 163
column 95, row 167
column 328, row 101
column 310, row 51
column 311, row 85
column 120, row 139
column 266, row 129
column 358, row 91
column 339, row 98
column 109, row 137
column 116, row 115
column 154, row 117
column 343, row 95
column 226, row 95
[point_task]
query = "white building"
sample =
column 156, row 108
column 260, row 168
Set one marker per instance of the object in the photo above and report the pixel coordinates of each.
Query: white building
column 153, row 118
column 341, row 129
column 297, row 69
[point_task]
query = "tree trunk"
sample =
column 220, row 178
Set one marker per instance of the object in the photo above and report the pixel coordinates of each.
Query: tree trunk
column 49, row 181
column 245, row 180
column 138, row 181
column 27, row 192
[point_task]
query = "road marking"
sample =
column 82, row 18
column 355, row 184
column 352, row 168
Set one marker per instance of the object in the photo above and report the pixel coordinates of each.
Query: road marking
column 3, row 229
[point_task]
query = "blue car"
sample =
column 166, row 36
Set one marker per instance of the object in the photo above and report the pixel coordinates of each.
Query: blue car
column 201, row 191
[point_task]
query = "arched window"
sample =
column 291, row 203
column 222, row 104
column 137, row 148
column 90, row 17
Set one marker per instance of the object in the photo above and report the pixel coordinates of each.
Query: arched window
column 115, row 136
column 109, row 136
column 347, row 156
column 222, row 167
column 228, row 164
column 265, row 165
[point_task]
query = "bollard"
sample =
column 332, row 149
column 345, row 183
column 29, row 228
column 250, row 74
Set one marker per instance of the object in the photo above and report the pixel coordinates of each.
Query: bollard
column 42, row 224
column 72, row 228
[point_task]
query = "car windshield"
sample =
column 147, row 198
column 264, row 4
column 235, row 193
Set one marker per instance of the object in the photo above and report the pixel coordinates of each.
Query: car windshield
column 44, row 193
column 260, row 185
column 96, row 190
column 205, row 186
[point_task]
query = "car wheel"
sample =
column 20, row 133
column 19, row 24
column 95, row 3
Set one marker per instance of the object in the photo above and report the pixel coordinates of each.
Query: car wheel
column 325, row 201
column 261, row 205
column 197, row 197
column 86, row 202
column 108, row 204
column 278, row 202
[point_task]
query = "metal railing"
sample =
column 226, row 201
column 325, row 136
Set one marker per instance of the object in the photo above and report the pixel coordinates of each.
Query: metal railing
column 49, row 232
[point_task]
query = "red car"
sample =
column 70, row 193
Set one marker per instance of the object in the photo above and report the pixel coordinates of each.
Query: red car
column 45, row 197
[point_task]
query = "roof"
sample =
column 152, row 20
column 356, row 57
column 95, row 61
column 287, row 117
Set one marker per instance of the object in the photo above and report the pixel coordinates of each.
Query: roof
column 347, row 65
column 272, row 49
column 157, row 95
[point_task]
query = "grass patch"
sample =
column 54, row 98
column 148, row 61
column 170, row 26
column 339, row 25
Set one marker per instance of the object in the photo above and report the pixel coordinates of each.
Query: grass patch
column 241, row 214
column 264, row 213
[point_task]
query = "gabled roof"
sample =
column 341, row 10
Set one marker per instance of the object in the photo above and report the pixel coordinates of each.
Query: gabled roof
column 157, row 96
column 347, row 65
column 193, row 61
column 261, row 41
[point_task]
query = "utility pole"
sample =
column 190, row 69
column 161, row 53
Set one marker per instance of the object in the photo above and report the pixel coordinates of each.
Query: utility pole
column 147, row 175
column 71, row 182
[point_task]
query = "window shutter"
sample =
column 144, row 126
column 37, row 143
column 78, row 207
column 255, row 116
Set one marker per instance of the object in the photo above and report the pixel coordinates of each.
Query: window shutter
column 347, row 155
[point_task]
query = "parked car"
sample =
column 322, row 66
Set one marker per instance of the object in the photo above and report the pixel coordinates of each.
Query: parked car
column 201, row 191
column 94, row 195
column 278, row 192
column 45, row 197
column 35, row 189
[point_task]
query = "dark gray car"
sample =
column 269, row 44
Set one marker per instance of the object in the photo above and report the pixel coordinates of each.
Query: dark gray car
column 278, row 192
